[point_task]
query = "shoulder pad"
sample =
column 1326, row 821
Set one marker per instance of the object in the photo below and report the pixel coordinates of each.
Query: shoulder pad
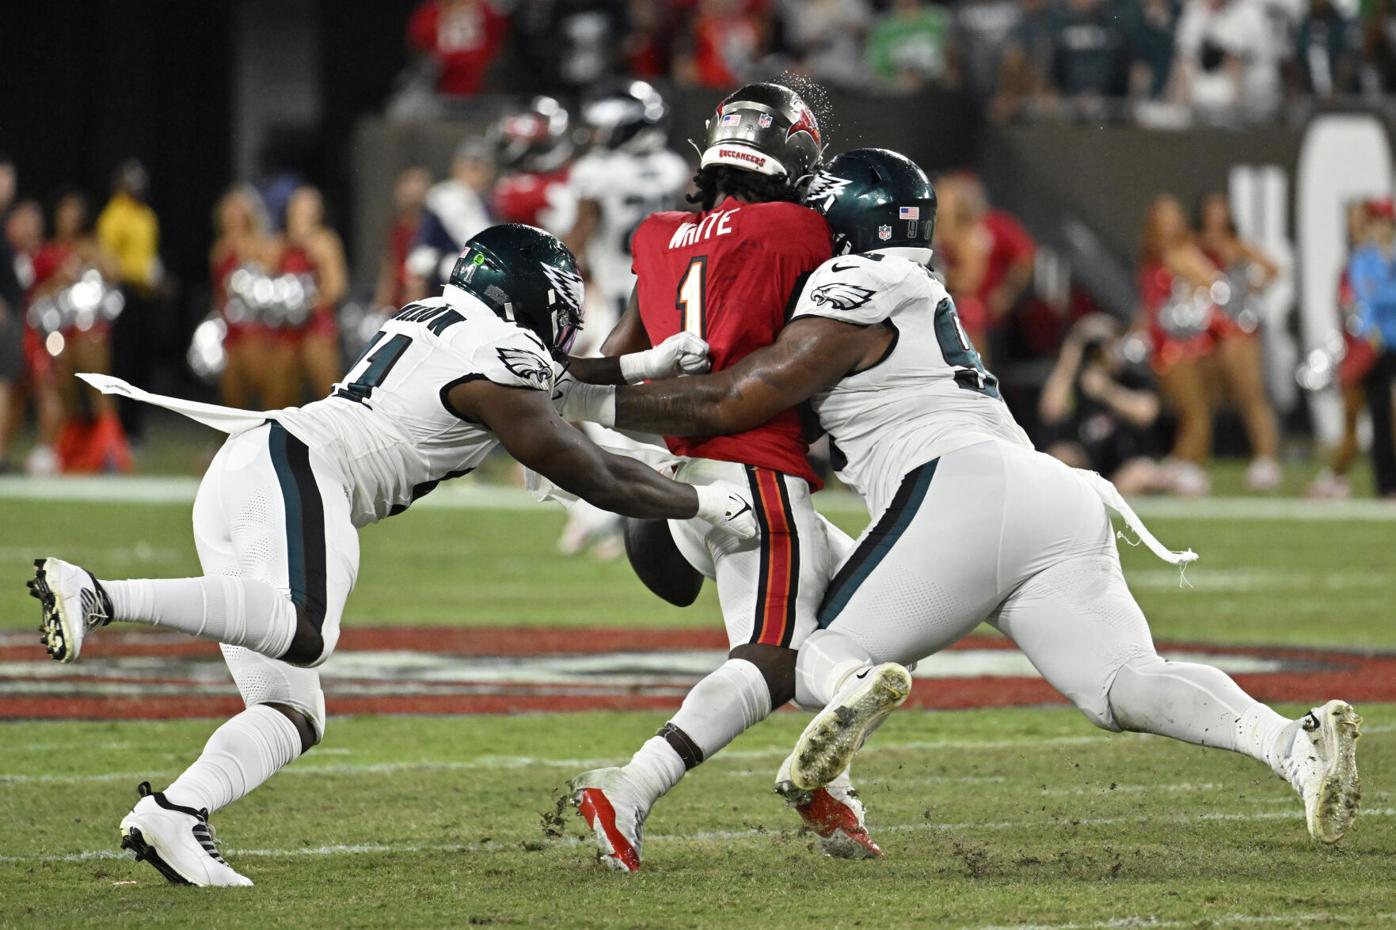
column 517, row 359
column 853, row 289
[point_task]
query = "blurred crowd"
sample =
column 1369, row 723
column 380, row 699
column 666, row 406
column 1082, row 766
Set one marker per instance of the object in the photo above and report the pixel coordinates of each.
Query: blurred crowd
column 1161, row 61
column 1135, row 399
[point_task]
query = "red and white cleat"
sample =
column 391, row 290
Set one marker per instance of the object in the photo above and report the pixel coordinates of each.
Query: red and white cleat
column 614, row 811
column 833, row 813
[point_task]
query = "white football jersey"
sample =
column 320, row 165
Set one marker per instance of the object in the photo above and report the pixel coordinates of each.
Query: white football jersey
column 930, row 393
column 386, row 424
column 628, row 187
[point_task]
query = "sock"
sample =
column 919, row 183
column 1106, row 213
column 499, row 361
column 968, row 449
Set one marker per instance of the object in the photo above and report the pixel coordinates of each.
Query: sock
column 239, row 756
column 826, row 660
column 720, row 707
column 237, row 611
column 1196, row 704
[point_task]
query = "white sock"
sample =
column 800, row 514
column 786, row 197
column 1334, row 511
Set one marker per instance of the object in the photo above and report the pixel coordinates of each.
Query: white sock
column 1197, row 704
column 239, row 756
column 719, row 708
column 237, row 611
column 826, row 659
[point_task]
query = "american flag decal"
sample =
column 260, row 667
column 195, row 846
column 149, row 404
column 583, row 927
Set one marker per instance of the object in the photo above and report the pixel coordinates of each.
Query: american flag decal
column 908, row 213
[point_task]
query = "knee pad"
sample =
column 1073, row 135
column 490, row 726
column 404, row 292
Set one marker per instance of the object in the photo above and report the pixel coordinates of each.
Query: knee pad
column 261, row 680
column 1102, row 713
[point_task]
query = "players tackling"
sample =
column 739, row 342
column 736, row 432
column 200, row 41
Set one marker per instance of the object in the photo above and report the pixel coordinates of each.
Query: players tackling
column 971, row 524
column 277, row 514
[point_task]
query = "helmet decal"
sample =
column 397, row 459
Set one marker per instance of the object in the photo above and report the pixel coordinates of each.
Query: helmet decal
column 805, row 123
column 567, row 287
column 826, row 187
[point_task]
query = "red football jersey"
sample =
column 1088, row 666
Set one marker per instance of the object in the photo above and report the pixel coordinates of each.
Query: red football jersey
column 728, row 275
column 542, row 199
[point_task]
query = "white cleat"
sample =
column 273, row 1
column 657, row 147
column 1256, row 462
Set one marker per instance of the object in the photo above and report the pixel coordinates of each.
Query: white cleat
column 615, row 812
column 833, row 813
column 177, row 841
column 1322, row 767
column 73, row 603
column 838, row 731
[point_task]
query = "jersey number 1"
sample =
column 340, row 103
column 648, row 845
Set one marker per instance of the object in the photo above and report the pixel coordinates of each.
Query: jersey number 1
column 375, row 367
column 693, row 293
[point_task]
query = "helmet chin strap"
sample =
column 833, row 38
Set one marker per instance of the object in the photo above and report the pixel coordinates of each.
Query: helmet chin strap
column 919, row 255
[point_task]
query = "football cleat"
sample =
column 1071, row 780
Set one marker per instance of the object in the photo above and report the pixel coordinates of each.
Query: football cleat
column 613, row 810
column 837, row 732
column 833, row 813
column 1322, row 767
column 177, row 841
column 73, row 603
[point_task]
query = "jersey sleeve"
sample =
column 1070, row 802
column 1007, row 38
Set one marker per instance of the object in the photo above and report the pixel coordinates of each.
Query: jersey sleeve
column 588, row 178
column 515, row 360
column 856, row 289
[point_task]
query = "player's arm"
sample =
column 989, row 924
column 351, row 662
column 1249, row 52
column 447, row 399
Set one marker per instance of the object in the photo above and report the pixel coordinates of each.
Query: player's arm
column 680, row 354
column 527, row 426
column 811, row 353
column 588, row 218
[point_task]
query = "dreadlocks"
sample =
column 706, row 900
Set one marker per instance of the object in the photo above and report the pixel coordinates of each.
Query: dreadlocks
column 715, row 180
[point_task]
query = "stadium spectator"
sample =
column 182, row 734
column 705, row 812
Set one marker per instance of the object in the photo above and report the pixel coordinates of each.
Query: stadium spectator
column 129, row 231
column 1228, row 60
column 1323, row 52
column 1377, row 72
column 1088, row 54
column 909, row 47
column 986, row 254
column 24, row 235
column 1248, row 271
column 462, row 38
column 244, row 244
column 1099, row 410
column 309, row 248
column 825, row 37
column 1025, row 67
column 567, row 44
column 1358, row 357
column 409, row 198
column 11, row 314
column 649, row 44
column 1372, row 273
column 1149, row 28
column 725, row 41
column 91, row 438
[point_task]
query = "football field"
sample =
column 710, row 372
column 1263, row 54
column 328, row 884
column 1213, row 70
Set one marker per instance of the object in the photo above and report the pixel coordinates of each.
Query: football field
column 428, row 806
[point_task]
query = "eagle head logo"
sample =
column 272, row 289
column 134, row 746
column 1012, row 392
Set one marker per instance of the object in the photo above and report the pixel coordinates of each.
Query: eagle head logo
column 527, row 366
column 840, row 295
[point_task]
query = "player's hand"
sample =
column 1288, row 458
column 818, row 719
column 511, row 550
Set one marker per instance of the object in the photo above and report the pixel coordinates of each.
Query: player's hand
column 727, row 507
column 681, row 354
column 576, row 401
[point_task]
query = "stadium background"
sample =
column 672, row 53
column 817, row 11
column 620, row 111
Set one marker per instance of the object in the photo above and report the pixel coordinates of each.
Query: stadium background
column 1011, row 808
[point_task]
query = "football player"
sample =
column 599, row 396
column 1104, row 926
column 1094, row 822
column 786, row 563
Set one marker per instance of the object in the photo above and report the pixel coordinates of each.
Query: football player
column 726, row 274
column 971, row 523
column 276, row 517
column 533, row 148
column 626, row 175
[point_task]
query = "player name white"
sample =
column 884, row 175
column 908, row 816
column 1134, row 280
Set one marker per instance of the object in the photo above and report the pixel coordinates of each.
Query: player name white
column 714, row 224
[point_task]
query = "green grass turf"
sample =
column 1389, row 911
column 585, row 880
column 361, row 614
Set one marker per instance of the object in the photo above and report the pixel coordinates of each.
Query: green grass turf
column 1259, row 581
column 987, row 817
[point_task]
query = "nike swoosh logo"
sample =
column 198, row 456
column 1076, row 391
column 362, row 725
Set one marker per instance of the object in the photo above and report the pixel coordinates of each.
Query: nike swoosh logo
column 745, row 507
column 863, row 673
column 836, row 268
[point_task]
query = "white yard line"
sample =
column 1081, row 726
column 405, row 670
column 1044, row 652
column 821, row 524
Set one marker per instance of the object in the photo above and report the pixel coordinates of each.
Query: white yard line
column 464, row 495
column 709, row 837
column 1146, row 922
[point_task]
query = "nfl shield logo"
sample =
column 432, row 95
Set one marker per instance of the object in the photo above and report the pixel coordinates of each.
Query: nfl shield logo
column 884, row 233
column 764, row 121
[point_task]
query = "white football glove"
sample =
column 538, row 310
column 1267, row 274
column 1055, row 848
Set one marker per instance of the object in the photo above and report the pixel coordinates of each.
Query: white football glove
column 681, row 354
column 727, row 507
column 576, row 401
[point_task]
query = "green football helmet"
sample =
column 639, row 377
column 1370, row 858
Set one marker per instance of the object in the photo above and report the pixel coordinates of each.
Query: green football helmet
column 527, row 277
column 874, row 199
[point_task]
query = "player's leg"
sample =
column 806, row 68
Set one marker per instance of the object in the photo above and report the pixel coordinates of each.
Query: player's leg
column 265, row 481
column 769, row 590
column 1077, row 622
column 922, row 576
column 285, row 715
